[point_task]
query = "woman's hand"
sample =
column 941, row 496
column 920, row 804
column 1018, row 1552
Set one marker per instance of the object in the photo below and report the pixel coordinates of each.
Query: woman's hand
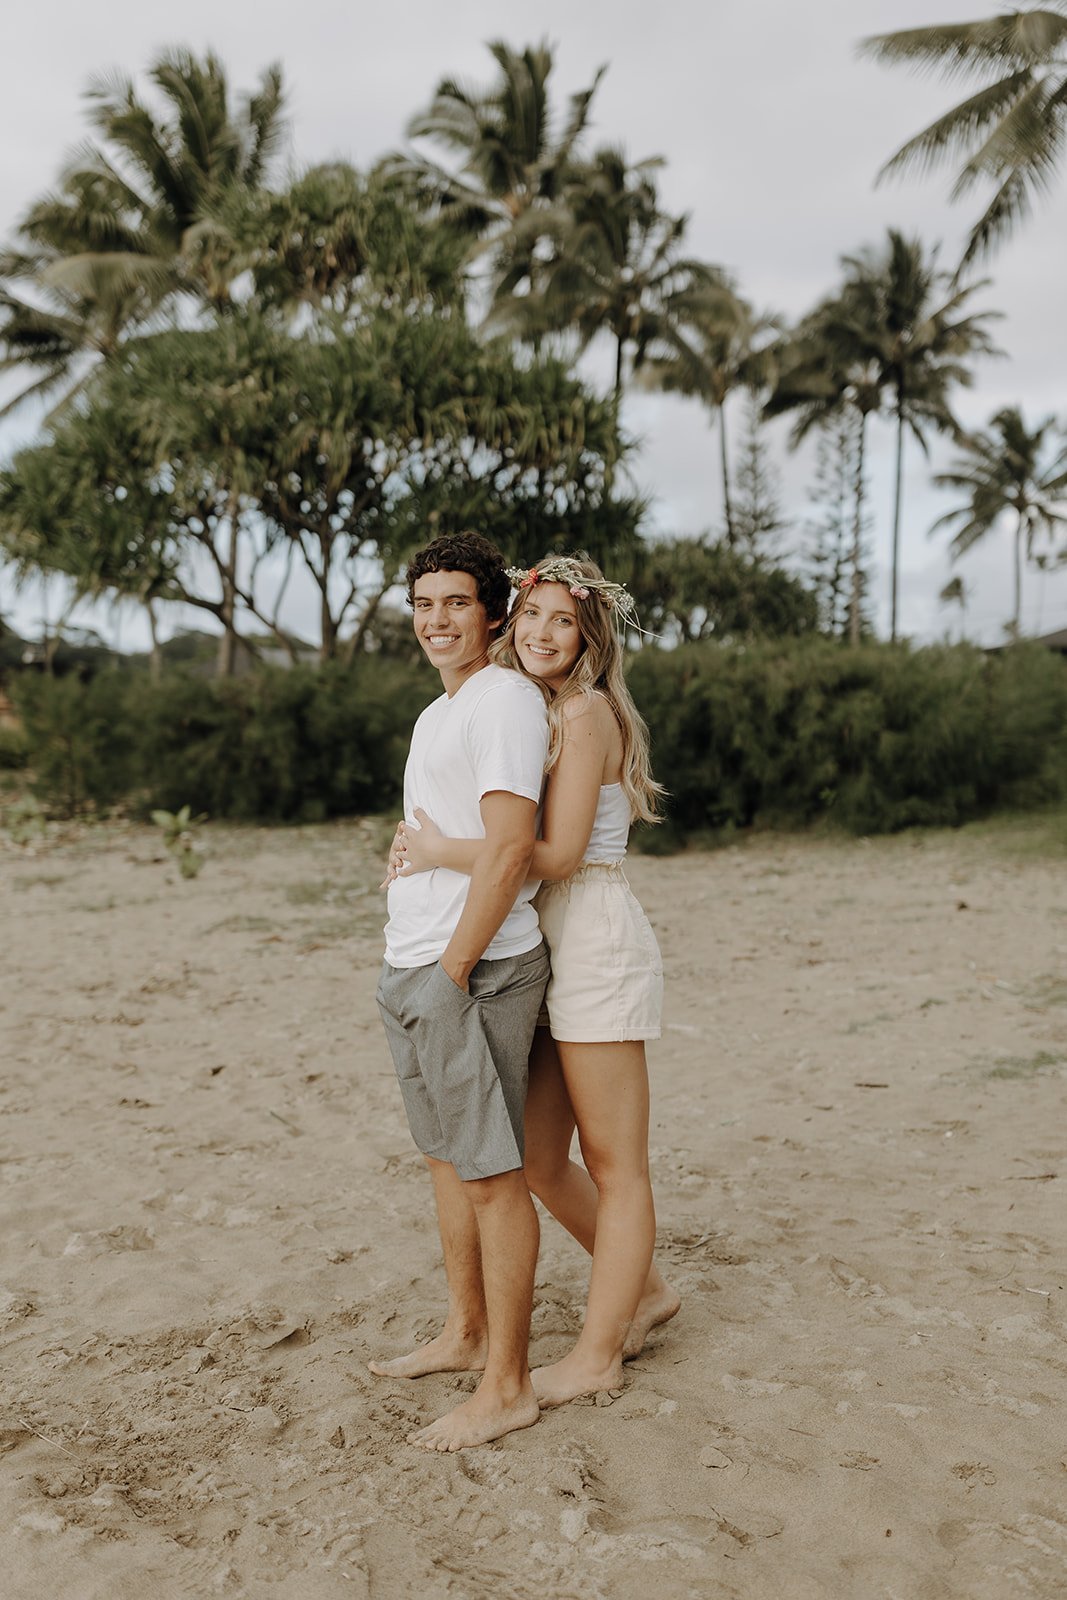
column 396, row 857
column 420, row 847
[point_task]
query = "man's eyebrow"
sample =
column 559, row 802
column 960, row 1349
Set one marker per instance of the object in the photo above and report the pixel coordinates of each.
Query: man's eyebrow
column 428, row 599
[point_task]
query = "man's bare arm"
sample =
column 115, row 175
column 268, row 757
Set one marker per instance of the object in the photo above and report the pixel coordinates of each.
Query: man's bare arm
column 498, row 874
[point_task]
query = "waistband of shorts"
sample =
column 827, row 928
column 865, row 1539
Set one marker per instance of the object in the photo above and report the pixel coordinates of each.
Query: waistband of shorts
column 591, row 871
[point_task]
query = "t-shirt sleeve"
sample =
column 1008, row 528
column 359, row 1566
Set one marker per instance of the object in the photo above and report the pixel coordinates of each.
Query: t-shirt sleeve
column 507, row 738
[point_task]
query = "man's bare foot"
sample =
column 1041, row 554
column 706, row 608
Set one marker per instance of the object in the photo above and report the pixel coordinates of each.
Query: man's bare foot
column 572, row 1377
column 653, row 1309
column 449, row 1352
column 479, row 1420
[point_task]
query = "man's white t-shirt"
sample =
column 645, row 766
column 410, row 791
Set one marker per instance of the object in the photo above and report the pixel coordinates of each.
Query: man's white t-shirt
column 491, row 734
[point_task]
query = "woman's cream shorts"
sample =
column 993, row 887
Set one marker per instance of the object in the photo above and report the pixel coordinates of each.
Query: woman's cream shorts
column 607, row 972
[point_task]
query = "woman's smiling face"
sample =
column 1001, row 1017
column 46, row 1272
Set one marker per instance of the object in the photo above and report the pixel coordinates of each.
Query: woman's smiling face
column 548, row 640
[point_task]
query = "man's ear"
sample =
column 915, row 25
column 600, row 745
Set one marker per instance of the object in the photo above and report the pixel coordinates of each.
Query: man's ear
column 495, row 627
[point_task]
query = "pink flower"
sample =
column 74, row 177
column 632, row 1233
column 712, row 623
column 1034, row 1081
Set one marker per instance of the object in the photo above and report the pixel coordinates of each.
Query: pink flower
column 529, row 580
column 579, row 593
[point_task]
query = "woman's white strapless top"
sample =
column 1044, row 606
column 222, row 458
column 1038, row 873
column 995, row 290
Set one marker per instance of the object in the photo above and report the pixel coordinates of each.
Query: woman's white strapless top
column 611, row 826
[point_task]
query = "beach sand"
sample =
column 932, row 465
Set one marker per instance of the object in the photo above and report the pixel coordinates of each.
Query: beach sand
column 213, row 1217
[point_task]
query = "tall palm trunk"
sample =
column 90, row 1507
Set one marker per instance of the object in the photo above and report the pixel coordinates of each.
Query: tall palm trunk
column 897, row 501
column 731, row 532
column 616, row 407
column 856, row 590
column 1016, row 620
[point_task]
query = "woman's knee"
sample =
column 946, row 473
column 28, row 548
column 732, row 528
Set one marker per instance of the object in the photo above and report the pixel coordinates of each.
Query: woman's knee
column 615, row 1174
column 545, row 1171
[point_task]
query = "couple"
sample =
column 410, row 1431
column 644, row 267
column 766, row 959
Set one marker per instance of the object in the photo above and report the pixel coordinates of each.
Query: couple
column 486, row 1072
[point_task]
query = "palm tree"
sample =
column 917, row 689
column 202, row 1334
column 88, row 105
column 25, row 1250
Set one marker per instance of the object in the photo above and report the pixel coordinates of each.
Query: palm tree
column 1002, row 473
column 1011, row 131
column 890, row 335
column 955, row 593
column 825, row 375
column 922, row 343
column 125, row 231
column 509, row 157
column 714, row 343
column 607, row 261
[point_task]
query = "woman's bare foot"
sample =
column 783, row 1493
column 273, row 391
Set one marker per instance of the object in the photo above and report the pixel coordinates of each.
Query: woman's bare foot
column 572, row 1377
column 654, row 1308
column 449, row 1352
column 482, row 1418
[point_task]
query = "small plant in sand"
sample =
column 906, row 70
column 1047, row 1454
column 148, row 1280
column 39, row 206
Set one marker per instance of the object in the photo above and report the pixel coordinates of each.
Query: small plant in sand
column 179, row 836
column 24, row 821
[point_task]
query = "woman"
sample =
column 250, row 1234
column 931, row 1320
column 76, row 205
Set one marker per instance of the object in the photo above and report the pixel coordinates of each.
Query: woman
column 587, row 1067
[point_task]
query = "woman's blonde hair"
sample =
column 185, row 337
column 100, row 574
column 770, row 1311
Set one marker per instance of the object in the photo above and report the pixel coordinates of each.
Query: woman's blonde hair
column 598, row 669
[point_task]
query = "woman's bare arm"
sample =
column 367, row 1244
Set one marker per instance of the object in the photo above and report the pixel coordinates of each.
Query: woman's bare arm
column 570, row 804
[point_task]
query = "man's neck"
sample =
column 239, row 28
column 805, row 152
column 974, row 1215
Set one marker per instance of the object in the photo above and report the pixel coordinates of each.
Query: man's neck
column 453, row 681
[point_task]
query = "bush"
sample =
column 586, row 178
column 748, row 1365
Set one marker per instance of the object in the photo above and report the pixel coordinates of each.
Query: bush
column 282, row 746
column 14, row 749
column 83, row 747
column 881, row 738
column 787, row 731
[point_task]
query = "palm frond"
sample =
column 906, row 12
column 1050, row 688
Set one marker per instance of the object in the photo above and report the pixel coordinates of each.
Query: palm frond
column 265, row 121
column 952, row 134
column 1010, row 205
column 1022, row 138
column 1015, row 39
column 40, row 387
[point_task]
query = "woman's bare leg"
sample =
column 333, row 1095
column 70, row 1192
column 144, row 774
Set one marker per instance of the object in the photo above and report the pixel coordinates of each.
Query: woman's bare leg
column 608, row 1089
column 566, row 1188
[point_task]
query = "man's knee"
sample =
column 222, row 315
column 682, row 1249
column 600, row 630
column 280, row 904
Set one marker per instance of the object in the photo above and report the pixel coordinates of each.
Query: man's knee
column 501, row 1186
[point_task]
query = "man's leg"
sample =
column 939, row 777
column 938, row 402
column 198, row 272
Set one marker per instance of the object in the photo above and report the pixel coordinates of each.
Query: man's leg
column 462, row 1344
column 504, row 1399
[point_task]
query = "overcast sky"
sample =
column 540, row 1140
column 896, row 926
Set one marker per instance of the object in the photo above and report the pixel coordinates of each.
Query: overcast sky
column 772, row 131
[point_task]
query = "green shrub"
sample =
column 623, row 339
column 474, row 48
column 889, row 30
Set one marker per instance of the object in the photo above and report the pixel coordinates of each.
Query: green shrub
column 281, row 746
column 881, row 737
column 14, row 749
column 84, row 750
column 787, row 731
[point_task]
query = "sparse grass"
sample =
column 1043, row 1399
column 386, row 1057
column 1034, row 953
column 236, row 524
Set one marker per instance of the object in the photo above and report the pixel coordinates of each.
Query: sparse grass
column 326, row 892
column 1026, row 835
column 243, row 924
column 870, row 1022
column 1027, row 1066
column 1048, row 989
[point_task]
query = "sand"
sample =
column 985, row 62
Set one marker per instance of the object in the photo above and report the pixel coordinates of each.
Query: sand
column 213, row 1216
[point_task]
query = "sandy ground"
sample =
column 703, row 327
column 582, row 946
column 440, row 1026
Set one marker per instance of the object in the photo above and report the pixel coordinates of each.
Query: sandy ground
column 213, row 1216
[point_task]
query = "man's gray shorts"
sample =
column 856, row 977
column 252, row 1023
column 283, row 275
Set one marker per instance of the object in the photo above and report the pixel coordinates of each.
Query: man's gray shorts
column 462, row 1059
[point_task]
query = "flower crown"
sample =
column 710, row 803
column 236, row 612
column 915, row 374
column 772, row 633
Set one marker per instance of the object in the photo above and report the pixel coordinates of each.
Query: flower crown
column 565, row 570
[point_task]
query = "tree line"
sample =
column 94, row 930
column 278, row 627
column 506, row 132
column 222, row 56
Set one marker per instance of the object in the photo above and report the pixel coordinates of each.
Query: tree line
column 250, row 374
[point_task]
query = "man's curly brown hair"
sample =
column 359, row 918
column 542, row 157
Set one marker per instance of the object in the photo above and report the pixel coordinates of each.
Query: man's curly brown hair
column 470, row 553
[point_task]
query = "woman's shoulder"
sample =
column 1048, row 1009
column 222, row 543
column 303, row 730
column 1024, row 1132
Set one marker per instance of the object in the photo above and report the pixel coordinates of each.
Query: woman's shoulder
column 586, row 703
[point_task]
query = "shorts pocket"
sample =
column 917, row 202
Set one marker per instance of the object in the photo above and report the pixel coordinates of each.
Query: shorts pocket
column 511, row 975
column 449, row 985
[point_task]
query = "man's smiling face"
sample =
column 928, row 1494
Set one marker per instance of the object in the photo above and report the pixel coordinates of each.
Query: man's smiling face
column 451, row 625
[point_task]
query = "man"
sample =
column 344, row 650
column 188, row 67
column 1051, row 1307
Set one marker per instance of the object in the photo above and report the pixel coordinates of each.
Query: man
column 464, row 974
